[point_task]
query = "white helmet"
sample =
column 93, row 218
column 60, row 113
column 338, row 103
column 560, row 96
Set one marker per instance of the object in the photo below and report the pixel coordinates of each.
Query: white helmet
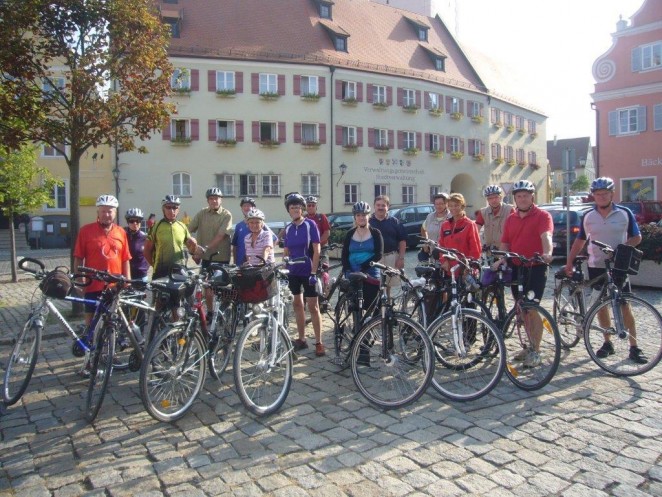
column 255, row 213
column 523, row 186
column 107, row 200
column 134, row 213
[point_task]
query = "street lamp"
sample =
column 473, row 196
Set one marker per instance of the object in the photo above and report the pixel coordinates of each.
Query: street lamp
column 343, row 170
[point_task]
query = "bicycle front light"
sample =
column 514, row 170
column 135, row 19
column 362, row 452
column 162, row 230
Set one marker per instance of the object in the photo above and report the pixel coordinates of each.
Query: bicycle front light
column 257, row 308
column 181, row 312
column 530, row 295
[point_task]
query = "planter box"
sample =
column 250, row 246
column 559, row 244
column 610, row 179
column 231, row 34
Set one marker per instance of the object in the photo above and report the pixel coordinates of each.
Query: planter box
column 650, row 275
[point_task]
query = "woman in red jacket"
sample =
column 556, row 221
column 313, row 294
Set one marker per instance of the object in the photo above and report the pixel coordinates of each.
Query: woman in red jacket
column 459, row 232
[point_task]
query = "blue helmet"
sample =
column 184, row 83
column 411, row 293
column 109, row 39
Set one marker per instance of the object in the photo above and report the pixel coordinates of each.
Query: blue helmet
column 603, row 183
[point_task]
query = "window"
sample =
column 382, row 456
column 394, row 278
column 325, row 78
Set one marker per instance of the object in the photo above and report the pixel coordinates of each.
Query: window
column 268, row 132
column 532, row 127
column 455, row 144
column 409, row 139
column 59, row 196
column 455, row 105
column 474, row 109
column 496, row 151
column 351, row 193
column 226, row 183
column 309, row 85
column 533, row 158
column 181, row 184
column 53, row 89
column 379, row 94
column 508, row 153
column 270, row 185
column 439, row 64
column 475, row 147
column 381, row 190
column 325, row 11
column 248, row 185
column 434, row 100
column 349, row 90
column 435, row 142
column 268, row 84
column 349, row 136
column 657, row 117
column 341, row 43
column 49, row 151
column 310, row 184
column 180, row 130
column 508, row 118
column 181, row 79
column 409, row 98
column 225, row 131
column 174, row 26
column 422, row 34
column 225, row 81
column 519, row 156
column 309, row 133
column 435, row 190
column 407, row 194
column 381, row 139
column 627, row 121
column 495, row 116
column 647, row 57
column 519, row 122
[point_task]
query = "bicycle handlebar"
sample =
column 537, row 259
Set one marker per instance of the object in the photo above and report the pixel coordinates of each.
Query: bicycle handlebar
column 607, row 249
column 524, row 260
column 105, row 276
column 22, row 265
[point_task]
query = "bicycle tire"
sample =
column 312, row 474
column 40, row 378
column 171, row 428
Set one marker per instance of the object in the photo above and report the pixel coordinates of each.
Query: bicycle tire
column 101, row 369
column 173, row 372
column 471, row 369
column 413, row 306
column 515, row 337
column 343, row 329
column 22, row 361
column 648, row 334
column 568, row 311
column 494, row 301
column 226, row 324
column 262, row 387
column 405, row 374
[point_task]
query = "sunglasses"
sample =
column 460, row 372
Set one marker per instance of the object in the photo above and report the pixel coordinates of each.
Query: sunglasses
column 131, row 221
column 172, row 207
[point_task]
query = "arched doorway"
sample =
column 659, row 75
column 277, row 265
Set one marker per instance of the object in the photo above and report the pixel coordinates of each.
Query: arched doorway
column 466, row 185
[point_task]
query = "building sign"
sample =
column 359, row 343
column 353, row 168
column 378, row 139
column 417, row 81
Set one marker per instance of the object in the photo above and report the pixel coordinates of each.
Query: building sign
column 394, row 170
column 651, row 162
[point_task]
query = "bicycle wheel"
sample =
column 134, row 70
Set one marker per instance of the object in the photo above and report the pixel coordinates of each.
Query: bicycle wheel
column 173, row 372
column 393, row 373
column 262, row 376
column 648, row 333
column 413, row 306
column 531, row 365
column 101, row 368
column 568, row 311
column 494, row 301
column 470, row 359
column 226, row 323
column 343, row 329
column 22, row 361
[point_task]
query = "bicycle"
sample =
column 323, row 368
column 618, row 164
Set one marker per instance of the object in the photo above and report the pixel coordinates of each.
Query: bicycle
column 538, row 352
column 326, row 284
column 623, row 319
column 469, row 349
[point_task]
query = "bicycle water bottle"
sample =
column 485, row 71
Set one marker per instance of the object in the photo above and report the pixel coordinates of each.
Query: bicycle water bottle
column 136, row 332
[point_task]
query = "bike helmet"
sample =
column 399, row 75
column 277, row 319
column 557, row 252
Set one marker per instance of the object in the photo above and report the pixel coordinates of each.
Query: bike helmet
column 214, row 192
column 523, row 186
column 311, row 199
column 492, row 190
column 294, row 198
column 171, row 199
column 247, row 200
column 107, row 200
column 134, row 213
column 603, row 183
column 255, row 214
column 361, row 208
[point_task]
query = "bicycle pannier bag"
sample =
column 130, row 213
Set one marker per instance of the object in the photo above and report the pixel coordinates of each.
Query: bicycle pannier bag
column 488, row 277
column 57, row 284
column 627, row 259
column 255, row 283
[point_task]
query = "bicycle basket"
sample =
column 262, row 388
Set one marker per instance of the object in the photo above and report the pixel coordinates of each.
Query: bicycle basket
column 57, row 284
column 627, row 259
column 171, row 292
column 255, row 283
column 489, row 277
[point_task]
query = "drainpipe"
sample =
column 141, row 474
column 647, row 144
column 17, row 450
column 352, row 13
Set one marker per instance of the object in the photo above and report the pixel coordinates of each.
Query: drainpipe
column 332, row 140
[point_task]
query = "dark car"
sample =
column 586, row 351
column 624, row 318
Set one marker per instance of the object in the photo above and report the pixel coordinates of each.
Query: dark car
column 560, row 216
column 340, row 220
column 645, row 211
column 412, row 216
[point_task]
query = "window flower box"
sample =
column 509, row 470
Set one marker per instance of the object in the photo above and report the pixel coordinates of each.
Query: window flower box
column 522, row 163
column 510, row 128
column 478, row 157
column 412, row 109
column 650, row 270
column 181, row 92
column 226, row 93
column 411, row 151
column 534, row 135
column 226, row 142
column 535, row 166
column 457, row 115
column 511, row 162
column 350, row 147
column 435, row 111
column 310, row 145
column 498, row 125
column 350, row 101
column 436, row 153
column 269, row 143
column 382, row 149
column 477, row 119
column 180, row 141
column 310, row 97
column 269, row 95
column 380, row 105
column 498, row 161
column 457, row 155
column 521, row 131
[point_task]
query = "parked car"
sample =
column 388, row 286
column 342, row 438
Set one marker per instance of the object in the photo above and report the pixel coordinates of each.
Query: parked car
column 412, row 216
column 645, row 211
column 340, row 220
column 559, row 216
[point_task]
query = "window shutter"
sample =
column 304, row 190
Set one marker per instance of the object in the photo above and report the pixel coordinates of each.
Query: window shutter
column 371, row 137
column 281, row 84
column 613, row 123
column 418, row 99
column 338, row 135
column 419, row 145
column 281, row 130
column 494, row 151
column 255, row 128
column 338, row 90
column 297, row 132
column 255, row 83
column 636, row 59
column 321, row 86
column 448, row 144
column 297, row 84
column 239, row 82
column 391, row 140
column 211, row 127
column 472, row 146
column 657, row 117
column 481, row 109
column 426, row 100
column 427, row 142
column 211, row 80
column 359, row 92
column 641, row 118
column 493, row 118
column 166, row 131
column 239, row 131
column 481, row 144
column 359, row 137
column 461, row 105
column 195, row 129
column 400, row 96
column 195, row 80
column 401, row 140
column 369, row 93
column 389, row 95
column 322, row 133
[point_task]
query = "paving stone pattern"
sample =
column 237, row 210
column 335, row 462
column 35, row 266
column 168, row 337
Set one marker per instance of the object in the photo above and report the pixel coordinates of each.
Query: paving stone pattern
column 585, row 434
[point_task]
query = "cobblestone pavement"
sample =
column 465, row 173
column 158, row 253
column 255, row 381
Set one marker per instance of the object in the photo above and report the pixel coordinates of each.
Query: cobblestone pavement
column 585, row 434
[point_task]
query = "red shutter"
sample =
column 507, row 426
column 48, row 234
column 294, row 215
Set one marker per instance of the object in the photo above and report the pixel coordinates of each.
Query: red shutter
column 371, row 137
column 426, row 99
column 239, row 131
column 338, row 135
column 281, row 84
column 359, row 92
column 493, row 119
column 400, row 96
column 338, row 90
column 462, row 145
column 427, row 142
column 419, row 145
column 359, row 136
column 481, row 110
column 297, row 132
column 165, row 134
column 239, row 82
column 321, row 84
column 391, row 142
column 448, row 145
column 255, row 83
column 195, row 129
column 472, row 145
column 281, row 130
column 211, row 127
column 255, row 128
column 449, row 102
column 418, row 99
column 322, row 133
column 211, row 80
column 369, row 93
column 297, row 85
column 461, row 102
column 195, row 80
column 401, row 140
column 389, row 95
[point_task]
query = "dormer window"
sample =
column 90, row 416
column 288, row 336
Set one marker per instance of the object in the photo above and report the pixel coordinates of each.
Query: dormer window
column 422, row 34
column 437, row 57
column 439, row 64
column 341, row 44
column 420, row 28
column 324, row 8
column 337, row 34
column 172, row 16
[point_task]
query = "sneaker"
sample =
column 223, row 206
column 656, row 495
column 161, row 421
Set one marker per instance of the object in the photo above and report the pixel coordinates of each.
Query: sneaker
column 532, row 359
column 319, row 350
column 521, row 355
column 607, row 349
column 637, row 356
column 300, row 344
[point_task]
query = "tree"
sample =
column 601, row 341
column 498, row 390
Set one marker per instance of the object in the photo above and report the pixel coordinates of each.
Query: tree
column 23, row 188
column 80, row 73
column 580, row 184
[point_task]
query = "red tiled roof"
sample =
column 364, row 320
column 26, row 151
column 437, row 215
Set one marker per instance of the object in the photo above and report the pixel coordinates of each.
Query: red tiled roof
column 381, row 38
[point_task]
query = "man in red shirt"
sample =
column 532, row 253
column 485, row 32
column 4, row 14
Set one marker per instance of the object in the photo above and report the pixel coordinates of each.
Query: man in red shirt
column 320, row 219
column 102, row 245
column 528, row 231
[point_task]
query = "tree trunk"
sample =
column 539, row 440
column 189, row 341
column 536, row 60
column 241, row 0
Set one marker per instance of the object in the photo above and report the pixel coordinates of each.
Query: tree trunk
column 74, row 215
column 12, row 248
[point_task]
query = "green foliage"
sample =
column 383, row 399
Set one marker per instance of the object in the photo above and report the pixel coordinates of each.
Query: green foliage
column 580, row 184
column 337, row 235
column 651, row 242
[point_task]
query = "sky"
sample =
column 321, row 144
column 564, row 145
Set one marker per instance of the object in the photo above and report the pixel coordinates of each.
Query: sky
column 548, row 46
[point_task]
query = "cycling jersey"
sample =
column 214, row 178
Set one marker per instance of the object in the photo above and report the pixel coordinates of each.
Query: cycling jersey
column 617, row 227
column 169, row 240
